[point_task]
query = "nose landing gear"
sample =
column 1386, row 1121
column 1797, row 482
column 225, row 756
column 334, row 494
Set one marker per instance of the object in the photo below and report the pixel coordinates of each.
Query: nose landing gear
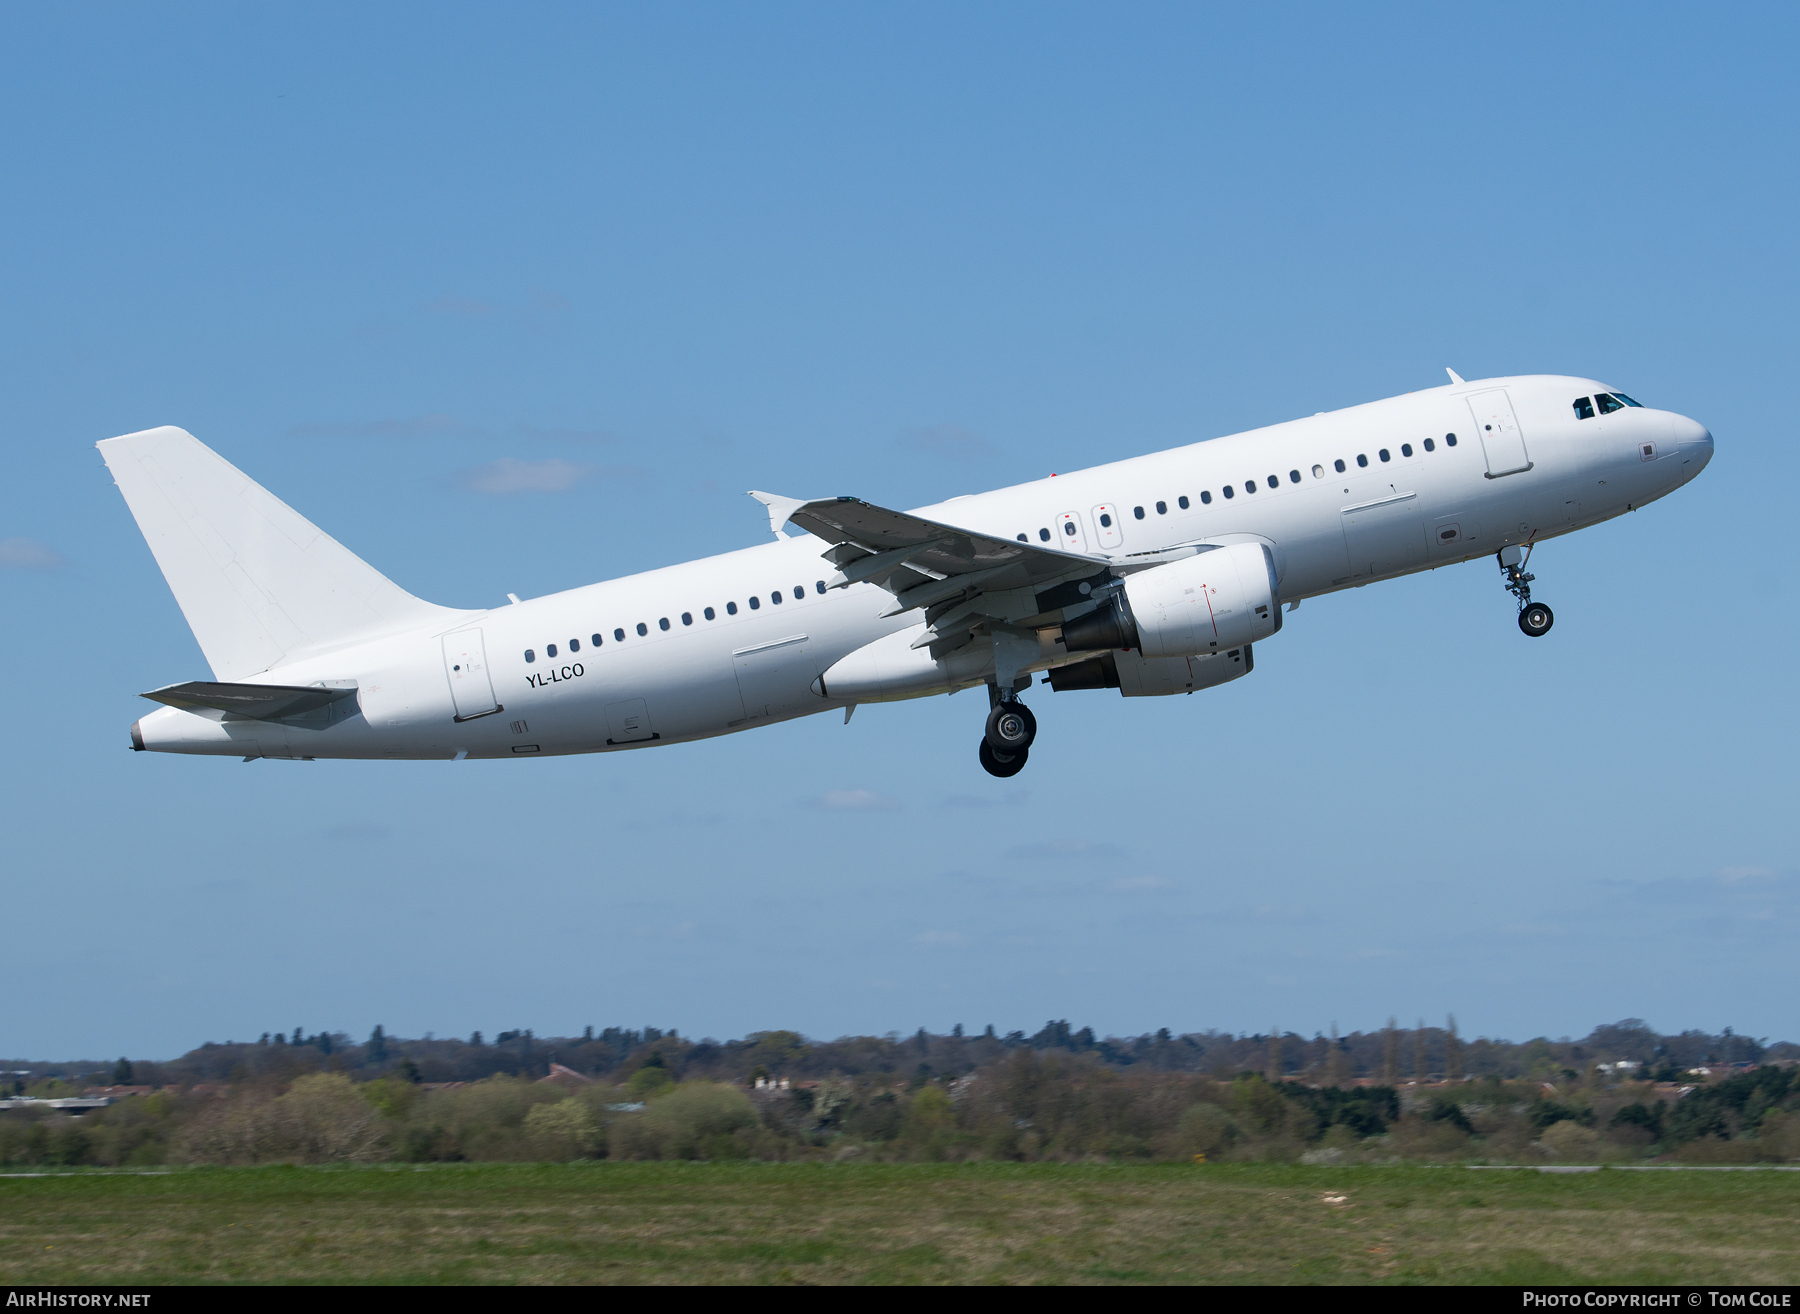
column 1535, row 619
column 1006, row 742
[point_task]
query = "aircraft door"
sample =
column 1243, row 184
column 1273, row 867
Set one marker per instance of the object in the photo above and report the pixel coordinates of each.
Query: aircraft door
column 1106, row 525
column 1068, row 532
column 465, row 663
column 1499, row 431
column 629, row 722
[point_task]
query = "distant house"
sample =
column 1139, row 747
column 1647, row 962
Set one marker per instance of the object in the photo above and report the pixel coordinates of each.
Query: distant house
column 561, row 1076
column 116, row 1092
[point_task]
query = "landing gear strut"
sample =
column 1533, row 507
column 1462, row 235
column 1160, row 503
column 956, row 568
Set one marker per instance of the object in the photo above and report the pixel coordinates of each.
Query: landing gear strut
column 1535, row 619
column 1006, row 742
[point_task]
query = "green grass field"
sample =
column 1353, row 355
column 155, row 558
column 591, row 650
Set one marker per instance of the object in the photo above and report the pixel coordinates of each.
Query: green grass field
column 843, row 1223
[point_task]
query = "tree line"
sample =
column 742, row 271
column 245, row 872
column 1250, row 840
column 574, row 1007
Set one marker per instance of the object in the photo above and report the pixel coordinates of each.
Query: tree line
column 1059, row 1094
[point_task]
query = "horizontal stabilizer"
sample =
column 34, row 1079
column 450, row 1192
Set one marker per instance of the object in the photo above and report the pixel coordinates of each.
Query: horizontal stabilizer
column 254, row 702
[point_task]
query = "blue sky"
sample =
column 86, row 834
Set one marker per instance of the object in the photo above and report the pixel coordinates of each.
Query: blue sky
column 517, row 300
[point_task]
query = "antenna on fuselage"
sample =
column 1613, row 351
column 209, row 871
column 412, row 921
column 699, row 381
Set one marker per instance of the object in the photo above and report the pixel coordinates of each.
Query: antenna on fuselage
column 1454, row 376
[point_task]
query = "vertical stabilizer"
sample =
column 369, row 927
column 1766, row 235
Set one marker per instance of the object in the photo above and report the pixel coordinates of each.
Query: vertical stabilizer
column 259, row 584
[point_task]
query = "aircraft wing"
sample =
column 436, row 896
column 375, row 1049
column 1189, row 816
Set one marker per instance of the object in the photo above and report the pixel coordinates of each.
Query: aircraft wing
column 968, row 584
column 901, row 551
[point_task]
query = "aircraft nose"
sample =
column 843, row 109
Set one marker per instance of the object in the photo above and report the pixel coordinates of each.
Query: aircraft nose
column 1695, row 440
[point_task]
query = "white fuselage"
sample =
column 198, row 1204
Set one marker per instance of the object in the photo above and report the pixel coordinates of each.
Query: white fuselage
column 1405, row 500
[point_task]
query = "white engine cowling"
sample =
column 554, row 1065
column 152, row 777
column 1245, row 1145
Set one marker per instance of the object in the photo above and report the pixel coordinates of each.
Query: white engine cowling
column 1202, row 604
column 1147, row 677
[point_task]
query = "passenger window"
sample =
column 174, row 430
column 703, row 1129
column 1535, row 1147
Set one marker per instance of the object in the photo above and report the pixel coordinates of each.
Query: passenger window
column 1430, row 446
column 643, row 629
column 1339, row 465
column 1137, row 512
column 1069, row 528
column 710, row 614
column 1205, row 497
column 1044, row 534
column 1318, row 472
column 687, row 618
column 618, row 636
column 550, row 650
column 574, row 645
column 731, row 609
column 1607, row 403
column 1406, row 449
column 819, row 584
column 775, row 597
column 1449, row 440
column 1105, row 520
column 1584, row 408
column 1274, row 481
column 1228, row 490
column 1293, row 476
column 595, row 639
column 1362, row 460
column 1162, row 508
column 1384, row 455
column 1182, row 501
column 663, row 624
column 530, row 656
column 800, row 590
column 1023, row 539
column 755, row 602
column 1249, row 485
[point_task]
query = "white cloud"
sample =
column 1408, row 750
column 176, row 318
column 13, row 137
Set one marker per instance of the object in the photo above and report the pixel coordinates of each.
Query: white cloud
column 856, row 800
column 29, row 554
column 461, row 307
column 1140, row 884
column 511, row 475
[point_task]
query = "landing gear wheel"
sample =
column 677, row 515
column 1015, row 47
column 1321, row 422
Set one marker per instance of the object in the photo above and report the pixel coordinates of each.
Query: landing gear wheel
column 1002, row 764
column 1010, row 727
column 1535, row 619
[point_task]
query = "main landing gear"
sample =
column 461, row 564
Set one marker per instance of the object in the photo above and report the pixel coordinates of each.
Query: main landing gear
column 1006, row 743
column 1535, row 619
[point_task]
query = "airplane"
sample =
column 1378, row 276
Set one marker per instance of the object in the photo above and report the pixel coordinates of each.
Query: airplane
column 1155, row 576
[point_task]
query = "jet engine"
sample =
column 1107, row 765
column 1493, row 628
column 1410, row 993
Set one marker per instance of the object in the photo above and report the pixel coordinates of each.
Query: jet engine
column 1147, row 677
column 1210, row 603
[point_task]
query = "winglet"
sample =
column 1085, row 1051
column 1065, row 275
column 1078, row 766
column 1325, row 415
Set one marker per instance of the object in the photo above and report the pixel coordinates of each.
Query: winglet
column 780, row 508
column 1454, row 376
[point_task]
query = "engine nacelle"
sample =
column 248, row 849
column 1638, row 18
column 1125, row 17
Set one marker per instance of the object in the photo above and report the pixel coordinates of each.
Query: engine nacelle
column 1148, row 677
column 1200, row 605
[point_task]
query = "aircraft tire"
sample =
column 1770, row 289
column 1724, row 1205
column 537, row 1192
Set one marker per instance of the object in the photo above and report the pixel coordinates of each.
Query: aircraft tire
column 1010, row 728
column 1535, row 619
column 1002, row 764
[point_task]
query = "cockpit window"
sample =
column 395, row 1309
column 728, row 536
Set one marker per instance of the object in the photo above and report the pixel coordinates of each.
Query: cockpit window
column 1622, row 397
column 1614, row 401
column 1584, row 408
